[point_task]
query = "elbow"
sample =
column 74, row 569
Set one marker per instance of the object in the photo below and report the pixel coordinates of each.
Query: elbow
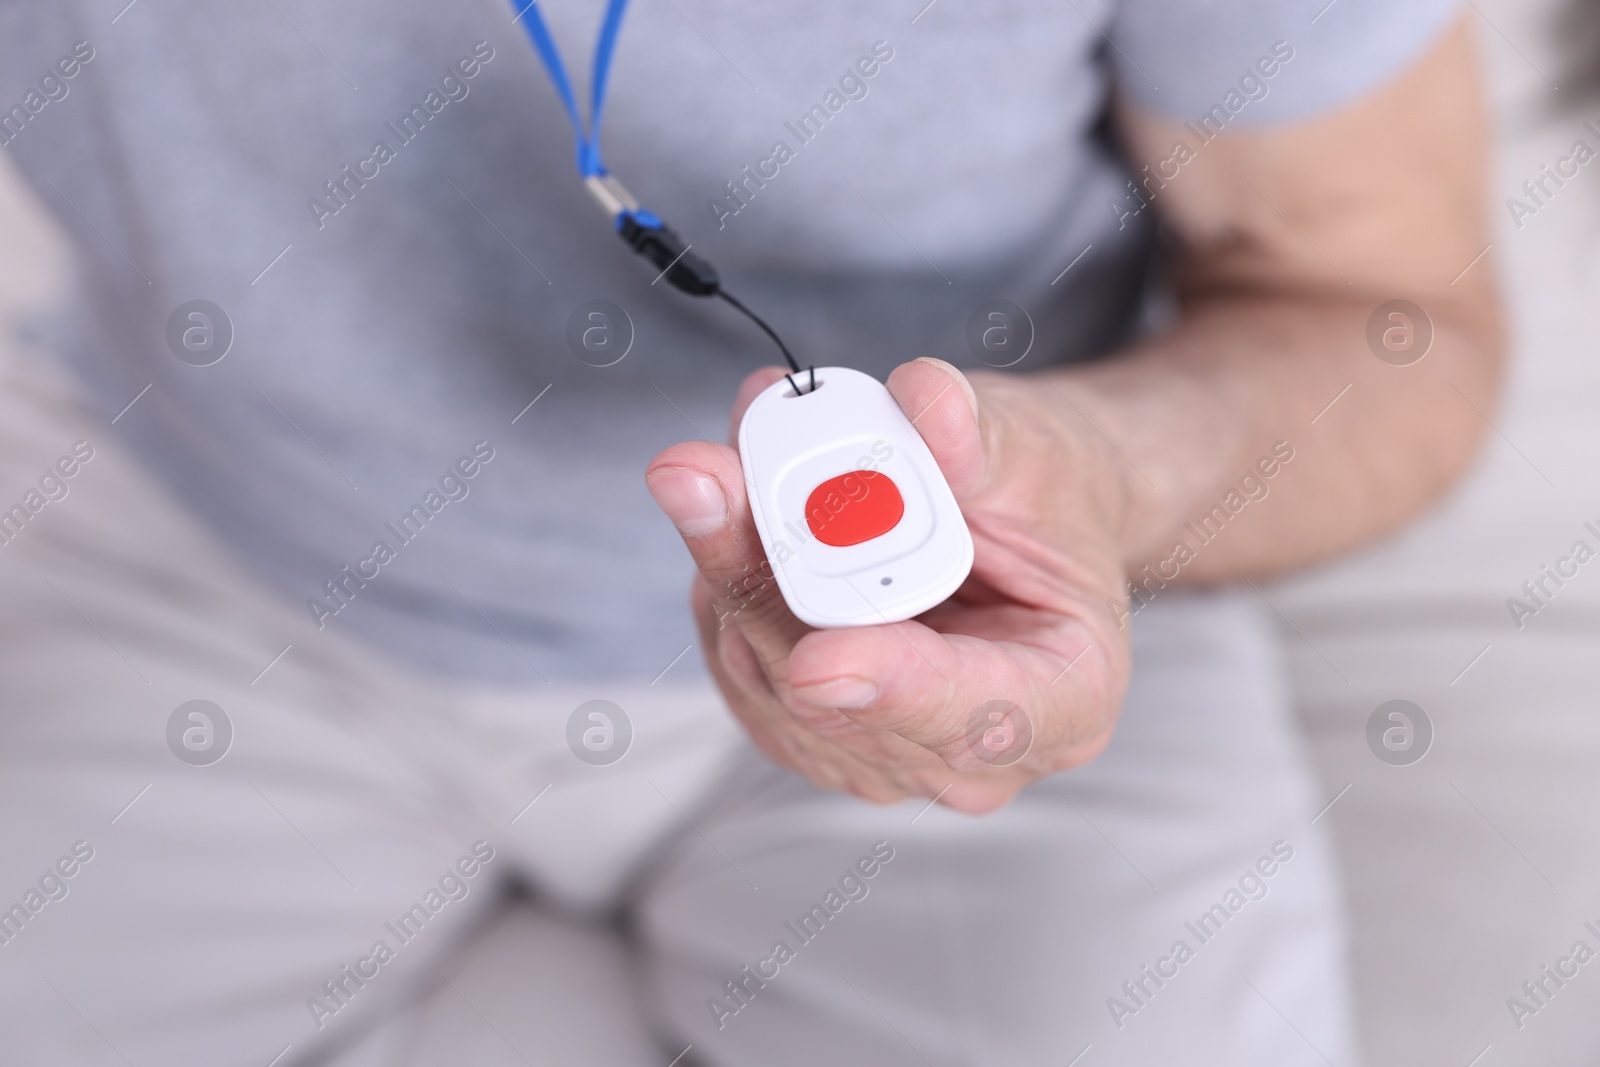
column 1470, row 375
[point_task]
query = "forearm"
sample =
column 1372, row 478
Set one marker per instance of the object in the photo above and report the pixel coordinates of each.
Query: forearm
column 1289, row 237
column 1262, row 434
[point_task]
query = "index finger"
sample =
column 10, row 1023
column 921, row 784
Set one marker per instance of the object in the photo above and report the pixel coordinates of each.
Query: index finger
column 701, row 488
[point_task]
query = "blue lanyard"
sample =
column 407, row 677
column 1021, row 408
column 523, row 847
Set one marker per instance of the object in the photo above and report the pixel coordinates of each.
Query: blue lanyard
column 589, row 161
column 643, row 231
column 591, row 166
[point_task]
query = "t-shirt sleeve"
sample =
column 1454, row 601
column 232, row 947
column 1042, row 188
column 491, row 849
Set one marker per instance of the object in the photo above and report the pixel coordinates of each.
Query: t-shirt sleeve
column 1265, row 61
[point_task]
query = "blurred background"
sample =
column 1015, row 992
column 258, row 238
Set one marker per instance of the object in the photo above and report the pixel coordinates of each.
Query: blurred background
column 1472, row 868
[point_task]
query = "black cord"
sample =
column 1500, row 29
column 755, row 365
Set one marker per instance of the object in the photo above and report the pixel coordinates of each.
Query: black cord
column 794, row 367
column 694, row 275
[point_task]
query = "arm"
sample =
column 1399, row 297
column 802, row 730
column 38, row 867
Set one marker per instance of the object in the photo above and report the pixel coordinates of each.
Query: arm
column 1073, row 480
column 1290, row 238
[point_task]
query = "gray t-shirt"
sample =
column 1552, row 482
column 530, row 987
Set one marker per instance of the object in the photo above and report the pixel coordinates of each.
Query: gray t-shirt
column 381, row 198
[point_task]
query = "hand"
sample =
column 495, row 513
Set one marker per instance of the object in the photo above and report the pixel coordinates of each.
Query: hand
column 886, row 712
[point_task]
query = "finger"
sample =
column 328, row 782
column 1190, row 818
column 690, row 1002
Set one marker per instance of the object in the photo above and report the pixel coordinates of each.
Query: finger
column 944, row 408
column 753, row 385
column 778, row 733
column 933, row 688
column 789, row 738
column 738, row 672
column 701, row 488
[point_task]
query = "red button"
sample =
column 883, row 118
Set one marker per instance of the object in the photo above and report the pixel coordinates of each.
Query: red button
column 853, row 508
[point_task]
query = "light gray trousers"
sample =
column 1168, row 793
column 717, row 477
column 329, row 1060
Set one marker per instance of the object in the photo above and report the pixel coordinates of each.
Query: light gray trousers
column 333, row 888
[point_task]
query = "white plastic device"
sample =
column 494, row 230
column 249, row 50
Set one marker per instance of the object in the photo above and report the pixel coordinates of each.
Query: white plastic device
column 856, row 518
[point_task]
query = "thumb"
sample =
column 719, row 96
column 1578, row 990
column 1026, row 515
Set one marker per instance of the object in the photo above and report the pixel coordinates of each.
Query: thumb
column 941, row 404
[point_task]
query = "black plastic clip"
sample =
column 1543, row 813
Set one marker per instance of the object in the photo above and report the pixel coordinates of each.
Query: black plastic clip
column 682, row 268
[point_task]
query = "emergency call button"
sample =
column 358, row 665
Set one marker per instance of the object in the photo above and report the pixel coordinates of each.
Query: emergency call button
column 854, row 507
